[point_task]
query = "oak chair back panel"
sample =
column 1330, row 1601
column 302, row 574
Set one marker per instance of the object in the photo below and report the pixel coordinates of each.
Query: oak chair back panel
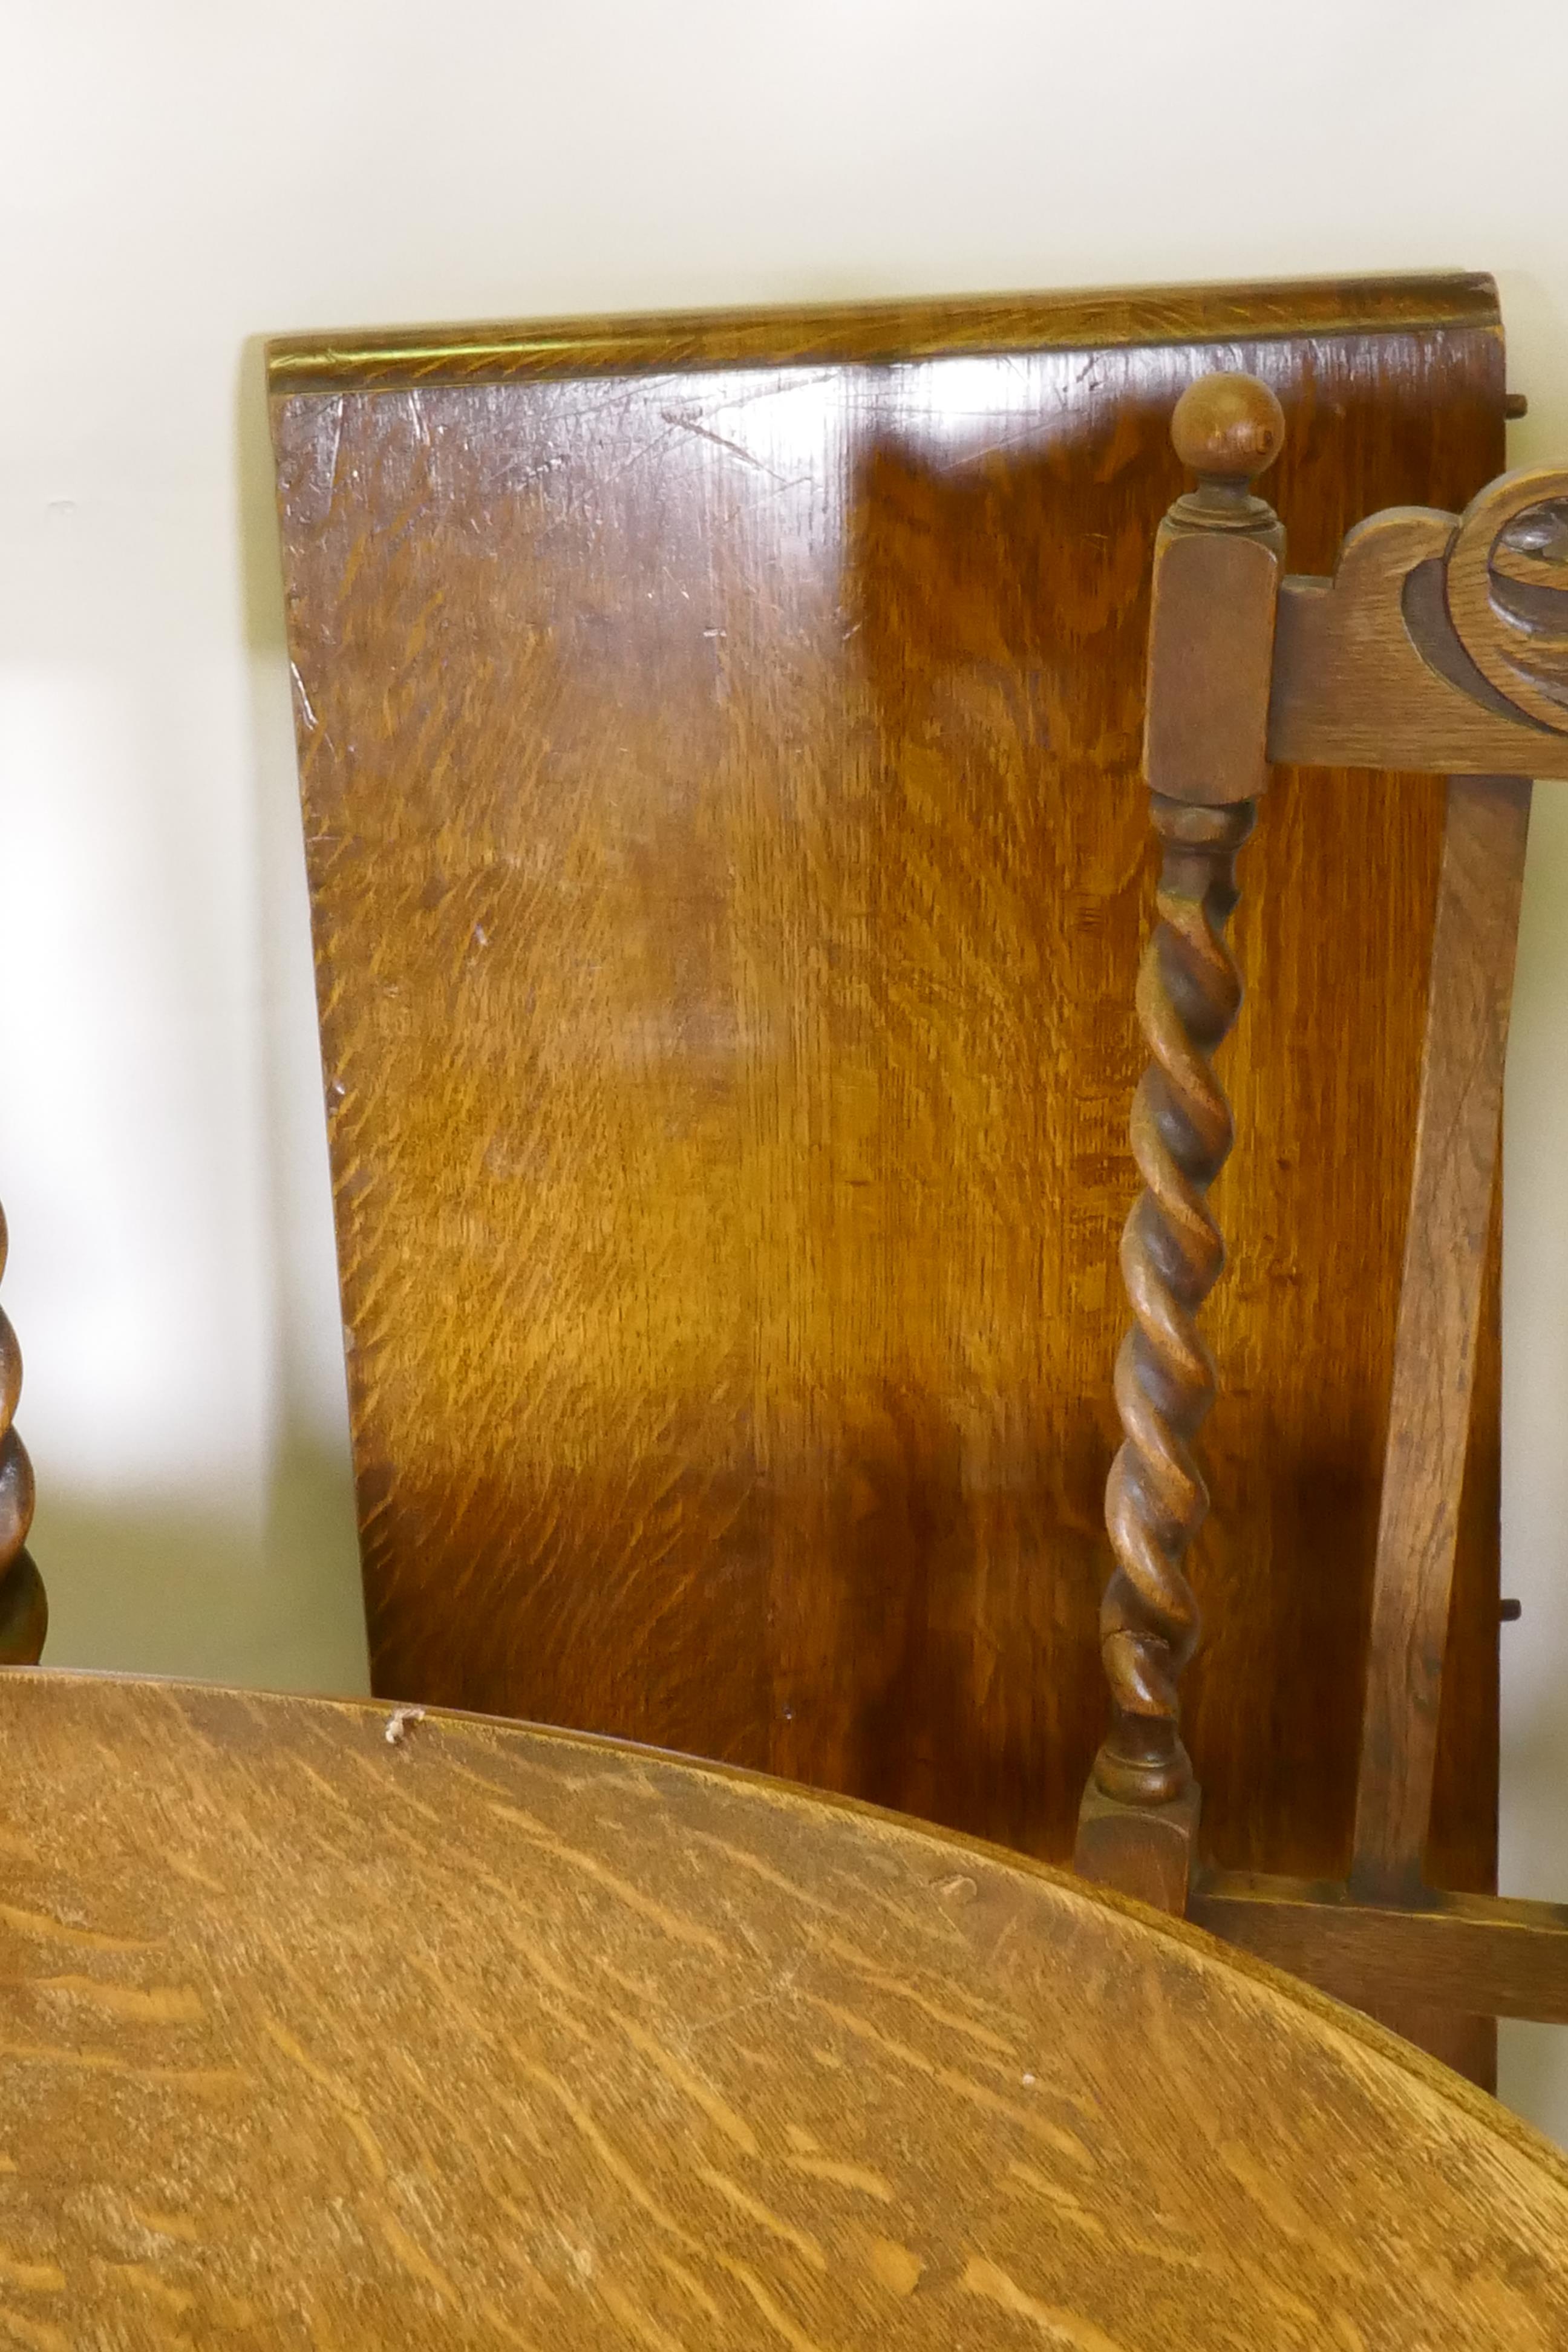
column 720, row 745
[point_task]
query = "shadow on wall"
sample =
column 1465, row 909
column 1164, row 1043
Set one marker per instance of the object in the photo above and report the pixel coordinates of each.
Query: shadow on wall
column 266, row 1593
column 207, row 1594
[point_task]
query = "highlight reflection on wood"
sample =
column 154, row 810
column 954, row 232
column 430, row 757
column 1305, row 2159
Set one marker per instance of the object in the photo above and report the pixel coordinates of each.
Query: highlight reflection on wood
column 477, row 2038
column 720, row 747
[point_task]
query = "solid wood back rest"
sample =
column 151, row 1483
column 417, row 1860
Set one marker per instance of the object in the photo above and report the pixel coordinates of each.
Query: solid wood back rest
column 720, row 745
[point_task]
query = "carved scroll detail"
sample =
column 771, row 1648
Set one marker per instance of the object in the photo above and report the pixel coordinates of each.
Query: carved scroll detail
column 1189, row 993
column 1440, row 644
column 24, row 1610
column 1507, row 582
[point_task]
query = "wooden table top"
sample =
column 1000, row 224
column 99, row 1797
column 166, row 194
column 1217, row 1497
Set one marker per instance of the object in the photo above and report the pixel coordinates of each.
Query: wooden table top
column 318, row 2028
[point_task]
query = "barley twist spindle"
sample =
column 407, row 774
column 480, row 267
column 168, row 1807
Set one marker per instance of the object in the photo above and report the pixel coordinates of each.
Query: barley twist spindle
column 1218, row 562
column 1171, row 1253
column 24, row 1610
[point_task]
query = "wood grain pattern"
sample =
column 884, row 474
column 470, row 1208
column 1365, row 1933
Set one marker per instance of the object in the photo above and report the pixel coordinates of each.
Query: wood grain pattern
column 726, row 854
column 1457, row 1142
column 320, row 2032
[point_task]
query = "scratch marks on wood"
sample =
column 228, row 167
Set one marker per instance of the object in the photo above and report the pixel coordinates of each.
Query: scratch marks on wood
column 671, row 1923
column 302, row 700
column 687, row 2080
column 706, row 433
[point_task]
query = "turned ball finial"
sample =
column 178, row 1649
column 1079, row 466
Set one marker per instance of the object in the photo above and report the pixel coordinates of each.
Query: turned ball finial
column 1227, row 428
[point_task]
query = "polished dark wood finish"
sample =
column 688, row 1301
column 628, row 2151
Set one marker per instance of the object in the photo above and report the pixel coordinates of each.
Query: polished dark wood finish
column 1458, row 1131
column 320, row 2031
column 720, row 750
column 23, row 1605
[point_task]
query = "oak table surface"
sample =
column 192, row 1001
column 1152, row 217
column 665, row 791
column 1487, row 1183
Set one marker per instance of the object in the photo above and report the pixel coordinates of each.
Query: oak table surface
column 323, row 2025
